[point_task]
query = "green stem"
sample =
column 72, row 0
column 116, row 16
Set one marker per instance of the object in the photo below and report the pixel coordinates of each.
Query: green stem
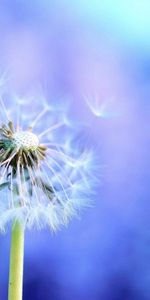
column 16, row 262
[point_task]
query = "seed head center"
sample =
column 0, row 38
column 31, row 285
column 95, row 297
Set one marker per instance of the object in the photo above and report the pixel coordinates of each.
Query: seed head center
column 26, row 140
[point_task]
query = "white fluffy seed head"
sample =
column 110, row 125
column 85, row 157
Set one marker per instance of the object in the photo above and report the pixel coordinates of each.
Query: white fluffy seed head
column 39, row 190
column 26, row 140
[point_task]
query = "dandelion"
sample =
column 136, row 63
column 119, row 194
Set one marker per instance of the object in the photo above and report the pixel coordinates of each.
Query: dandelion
column 44, row 178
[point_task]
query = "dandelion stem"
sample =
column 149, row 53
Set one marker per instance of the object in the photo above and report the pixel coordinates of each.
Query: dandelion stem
column 16, row 262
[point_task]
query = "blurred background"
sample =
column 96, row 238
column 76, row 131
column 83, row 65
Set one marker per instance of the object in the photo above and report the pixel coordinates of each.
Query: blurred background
column 95, row 54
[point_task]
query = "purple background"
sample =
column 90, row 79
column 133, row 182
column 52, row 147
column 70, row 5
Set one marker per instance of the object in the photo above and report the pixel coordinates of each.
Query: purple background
column 79, row 50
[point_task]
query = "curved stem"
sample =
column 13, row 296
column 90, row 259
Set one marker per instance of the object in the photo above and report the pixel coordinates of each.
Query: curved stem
column 16, row 262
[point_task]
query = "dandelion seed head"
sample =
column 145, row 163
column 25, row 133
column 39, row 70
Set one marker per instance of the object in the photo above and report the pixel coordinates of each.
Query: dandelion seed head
column 45, row 177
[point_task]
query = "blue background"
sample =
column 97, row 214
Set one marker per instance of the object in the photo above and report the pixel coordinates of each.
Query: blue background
column 95, row 54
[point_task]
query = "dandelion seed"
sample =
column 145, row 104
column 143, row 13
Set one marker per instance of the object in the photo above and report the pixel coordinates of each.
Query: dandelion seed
column 103, row 108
